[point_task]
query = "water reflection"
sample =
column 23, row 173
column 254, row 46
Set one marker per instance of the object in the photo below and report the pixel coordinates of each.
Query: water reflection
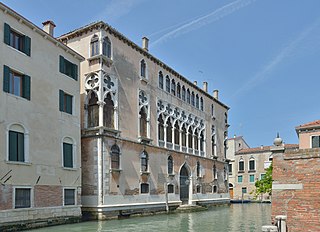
column 234, row 218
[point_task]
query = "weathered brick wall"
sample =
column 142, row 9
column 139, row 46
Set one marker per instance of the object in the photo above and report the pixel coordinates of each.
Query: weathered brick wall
column 5, row 197
column 47, row 196
column 302, row 206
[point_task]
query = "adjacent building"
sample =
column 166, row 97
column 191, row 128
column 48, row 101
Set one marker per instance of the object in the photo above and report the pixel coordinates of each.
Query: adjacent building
column 150, row 137
column 40, row 174
column 296, row 175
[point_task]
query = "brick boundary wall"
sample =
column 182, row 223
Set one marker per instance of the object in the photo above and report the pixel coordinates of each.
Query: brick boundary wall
column 296, row 189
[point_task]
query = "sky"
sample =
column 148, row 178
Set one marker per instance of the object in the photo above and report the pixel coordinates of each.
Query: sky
column 262, row 55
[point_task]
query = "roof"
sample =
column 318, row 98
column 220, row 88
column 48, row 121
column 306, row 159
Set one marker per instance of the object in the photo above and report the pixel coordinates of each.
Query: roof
column 102, row 25
column 264, row 149
column 314, row 124
column 37, row 29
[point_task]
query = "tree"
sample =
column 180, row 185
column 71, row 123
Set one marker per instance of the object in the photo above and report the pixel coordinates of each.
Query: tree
column 265, row 184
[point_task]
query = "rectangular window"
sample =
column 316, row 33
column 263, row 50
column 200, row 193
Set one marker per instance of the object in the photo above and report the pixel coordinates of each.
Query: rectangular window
column 65, row 102
column 16, row 83
column 144, row 188
column 239, row 179
column 315, row 141
column 230, row 169
column 262, row 175
column 69, row 197
column 67, row 155
column 252, row 165
column 251, row 178
column 170, row 188
column 68, row 68
column 244, row 190
column 241, row 166
column 17, row 40
column 22, row 198
column 16, row 146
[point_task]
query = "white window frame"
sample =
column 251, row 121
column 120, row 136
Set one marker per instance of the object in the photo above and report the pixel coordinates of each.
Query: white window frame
column 148, row 193
column 14, row 196
column 75, row 196
column 66, row 139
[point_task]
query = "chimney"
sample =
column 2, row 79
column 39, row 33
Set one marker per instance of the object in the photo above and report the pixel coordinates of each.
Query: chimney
column 145, row 43
column 48, row 26
column 195, row 83
column 205, row 86
column 216, row 94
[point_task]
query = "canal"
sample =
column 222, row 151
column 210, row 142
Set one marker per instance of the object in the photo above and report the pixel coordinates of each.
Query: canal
column 236, row 217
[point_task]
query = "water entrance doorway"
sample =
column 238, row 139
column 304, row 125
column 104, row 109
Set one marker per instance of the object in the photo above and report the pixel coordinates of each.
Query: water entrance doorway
column 184, row 185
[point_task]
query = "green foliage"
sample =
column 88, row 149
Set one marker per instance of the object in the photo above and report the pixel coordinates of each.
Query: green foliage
column 264, row 185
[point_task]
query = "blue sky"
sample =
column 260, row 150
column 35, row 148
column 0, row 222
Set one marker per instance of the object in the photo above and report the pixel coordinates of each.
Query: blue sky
column 262, row 55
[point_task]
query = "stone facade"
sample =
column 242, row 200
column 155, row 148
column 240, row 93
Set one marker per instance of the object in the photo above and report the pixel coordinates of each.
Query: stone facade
column 33, row 178
column 145, row 129
column 296, row 186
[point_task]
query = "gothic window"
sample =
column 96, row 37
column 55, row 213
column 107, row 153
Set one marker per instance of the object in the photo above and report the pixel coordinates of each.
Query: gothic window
column 93, row 110
column 190, row 138
column 169, row 131
column 143, row 122
column 143, row 69
column 241, row 165
column 197, row 101
column 167, row 84
column 178, row 90
column 115, row 157
column 17, row 144
column 183, row 93
column 252, row 165
column 188, row 96
column 201, row 141
column 184, row 136
column 173, row 87
column 108, row 112
column 170, row 165
column 176, row 133
column 160, row 128
column 144, row 161
column 160, row 80
column 201, row 103
column 94, row 45
column 106, row 47
column 192, row 98
column 198, row 169
column 196, row 144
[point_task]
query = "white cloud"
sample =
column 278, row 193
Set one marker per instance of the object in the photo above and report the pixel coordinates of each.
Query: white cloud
column 202, row 21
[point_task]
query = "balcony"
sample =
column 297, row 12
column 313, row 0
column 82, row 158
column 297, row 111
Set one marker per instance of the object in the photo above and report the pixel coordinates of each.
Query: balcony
column 161, row 143
column 169, row 145
column 177, row 147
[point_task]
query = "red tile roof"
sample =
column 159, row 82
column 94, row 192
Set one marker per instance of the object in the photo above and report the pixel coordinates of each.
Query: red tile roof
column 264, row 149
column 313, row 124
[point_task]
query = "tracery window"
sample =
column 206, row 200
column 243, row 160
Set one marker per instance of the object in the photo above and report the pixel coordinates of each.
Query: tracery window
column 196, row 144
column 184, row 136
column 169, row 131
column 176, row 134
column 108, row 112
column 201, row 141
column 93, row 110
column 190, row 145
column 160, row 128
column 167, row 84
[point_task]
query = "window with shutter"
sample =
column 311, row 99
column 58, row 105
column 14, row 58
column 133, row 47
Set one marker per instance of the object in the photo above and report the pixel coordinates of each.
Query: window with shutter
column 16, row 146
column 17, row 40
column 68, row 68
column 65, row 102
column 67, row 155
column 16, row 83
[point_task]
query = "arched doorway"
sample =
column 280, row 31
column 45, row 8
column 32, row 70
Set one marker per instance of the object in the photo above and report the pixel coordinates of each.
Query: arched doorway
column 231, row 190
column 184, row 184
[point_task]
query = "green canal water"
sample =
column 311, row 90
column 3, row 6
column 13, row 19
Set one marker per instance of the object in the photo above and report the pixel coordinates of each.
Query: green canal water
column 236, row 217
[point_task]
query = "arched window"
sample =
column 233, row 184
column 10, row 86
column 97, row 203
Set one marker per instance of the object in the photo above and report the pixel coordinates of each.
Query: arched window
column 17, row 148
column 160, row 80
column 170, row 165
column 192, row 98
column 143, row 122
column 190, row 145
column 170, row 188
column 196, row 143
column 68, row 153
column 188, row 96
column 252, row 164
column 176, row 134
column 198, row 188
column 144, row 188
column 173, row 87
column 201, row 103
column 93, row 110
column 143, row 69
column 144, row 161
column 183, row 93
column 167, row 84
column 201, row 141
column 214, row 172
column 197, row 101
column 215, row 189
column 241, row 165
column 184, row 136
column 108, row 112
column 115, row 157
column 212, row 111
column 106, row 47
column 213, row 141
column 160, row 128
column 178, row 90
column 169, row 131
column 94, row 45
column 198, row 169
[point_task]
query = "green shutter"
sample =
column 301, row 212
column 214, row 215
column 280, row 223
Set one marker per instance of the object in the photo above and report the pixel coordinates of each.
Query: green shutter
column 61, row 64
column 75, row 72
column 67, row 155
column 26, row 87
column 69, row 104
column 27, row 45
column 61, row 100
column 6, row 78
column 13, row 151
column 6, row 38
column 20, row 140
